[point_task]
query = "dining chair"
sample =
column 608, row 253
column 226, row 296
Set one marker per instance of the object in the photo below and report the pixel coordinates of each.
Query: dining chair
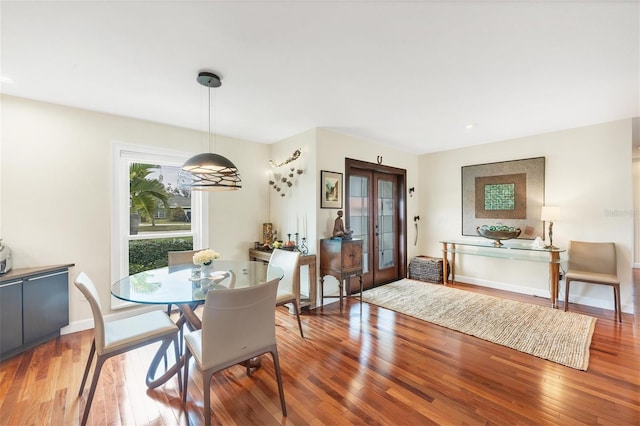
column 179, row 258
column 289, row 285
column 237, row 325
column 593, row 263
column 122, row 335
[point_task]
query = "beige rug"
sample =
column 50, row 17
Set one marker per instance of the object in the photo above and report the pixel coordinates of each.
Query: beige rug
column 562, row 337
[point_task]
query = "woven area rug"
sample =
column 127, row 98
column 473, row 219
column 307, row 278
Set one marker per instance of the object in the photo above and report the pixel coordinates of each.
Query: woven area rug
column 558, row 336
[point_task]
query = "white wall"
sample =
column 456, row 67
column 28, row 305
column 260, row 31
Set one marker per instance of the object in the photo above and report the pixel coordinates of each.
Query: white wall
column 55, row 198
column 588, row 174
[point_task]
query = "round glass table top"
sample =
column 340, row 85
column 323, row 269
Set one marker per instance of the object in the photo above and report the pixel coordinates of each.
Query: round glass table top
column 184, row 284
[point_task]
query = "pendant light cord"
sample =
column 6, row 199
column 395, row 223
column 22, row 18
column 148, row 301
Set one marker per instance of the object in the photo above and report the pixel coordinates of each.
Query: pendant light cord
column 209, row 134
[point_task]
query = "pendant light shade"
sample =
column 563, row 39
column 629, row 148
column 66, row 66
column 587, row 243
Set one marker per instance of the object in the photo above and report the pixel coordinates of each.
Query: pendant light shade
column 209, row 171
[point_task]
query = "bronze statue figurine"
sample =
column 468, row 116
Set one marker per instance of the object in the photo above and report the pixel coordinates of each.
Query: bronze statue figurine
column 338, row 228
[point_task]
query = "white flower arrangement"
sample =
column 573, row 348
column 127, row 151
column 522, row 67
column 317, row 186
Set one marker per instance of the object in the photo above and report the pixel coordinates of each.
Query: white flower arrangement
column 205, row 256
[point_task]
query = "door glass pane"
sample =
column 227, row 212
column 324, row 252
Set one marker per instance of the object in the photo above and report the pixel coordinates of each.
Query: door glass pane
column 358, row 219
column 386, row 220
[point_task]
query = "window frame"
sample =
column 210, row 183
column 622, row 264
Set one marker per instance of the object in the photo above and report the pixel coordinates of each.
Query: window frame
column 122, row 156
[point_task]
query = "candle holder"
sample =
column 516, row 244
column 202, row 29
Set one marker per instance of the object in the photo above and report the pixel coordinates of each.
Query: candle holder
column 303, row 248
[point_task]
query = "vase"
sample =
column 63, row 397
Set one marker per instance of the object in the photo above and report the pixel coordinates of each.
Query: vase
column 207, row 269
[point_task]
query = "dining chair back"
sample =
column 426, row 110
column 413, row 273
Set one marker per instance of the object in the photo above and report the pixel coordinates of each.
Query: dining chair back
column 289, row 287
column 237, row 325
column 118, row 336
column 180, row 257
column 593, row 263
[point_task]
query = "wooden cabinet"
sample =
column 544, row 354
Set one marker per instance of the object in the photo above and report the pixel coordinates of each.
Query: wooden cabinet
column 34, row 306
column 341, row 259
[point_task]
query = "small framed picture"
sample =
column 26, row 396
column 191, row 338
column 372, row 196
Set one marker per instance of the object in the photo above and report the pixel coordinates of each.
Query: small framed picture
column 331, row 190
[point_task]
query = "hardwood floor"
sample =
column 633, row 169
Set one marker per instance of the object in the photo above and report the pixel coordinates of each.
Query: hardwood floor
column 379, row 369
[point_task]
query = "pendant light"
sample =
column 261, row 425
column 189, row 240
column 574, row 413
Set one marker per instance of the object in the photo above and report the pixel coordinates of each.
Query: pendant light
column 209, row 171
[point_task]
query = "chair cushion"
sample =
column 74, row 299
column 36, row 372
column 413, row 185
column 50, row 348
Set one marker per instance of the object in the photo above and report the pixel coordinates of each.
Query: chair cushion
column 592, row 277
column 132, row 331
column 193, row 341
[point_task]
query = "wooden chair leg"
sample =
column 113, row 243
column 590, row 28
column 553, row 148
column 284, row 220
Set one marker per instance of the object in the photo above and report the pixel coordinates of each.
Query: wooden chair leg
column 297, row 309
column 206, row 386
column 616, row 300
column 276, row 365
column 566, row 295
column 92, row 352
column 92, row 389
column 176, row 345
column 185, row 375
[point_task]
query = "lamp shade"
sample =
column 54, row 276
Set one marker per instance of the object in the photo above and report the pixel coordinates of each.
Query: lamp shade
column 550, row 213
column 209, row 172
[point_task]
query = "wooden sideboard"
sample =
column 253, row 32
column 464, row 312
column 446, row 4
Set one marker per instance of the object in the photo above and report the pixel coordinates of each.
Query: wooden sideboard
column 306, row 260
column 342, row 259
column 34, row 306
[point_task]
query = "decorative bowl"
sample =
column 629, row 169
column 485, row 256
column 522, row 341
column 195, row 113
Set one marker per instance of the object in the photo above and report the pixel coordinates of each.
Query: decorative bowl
column 498, row 233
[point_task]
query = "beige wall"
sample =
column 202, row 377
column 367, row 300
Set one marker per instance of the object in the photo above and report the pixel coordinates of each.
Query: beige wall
column 588, row 174
column 55, row 191
column 55, row 198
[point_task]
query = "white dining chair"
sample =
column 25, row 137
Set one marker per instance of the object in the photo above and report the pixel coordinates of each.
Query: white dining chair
column 289, row 285
column 122, row 335
column 237, row 325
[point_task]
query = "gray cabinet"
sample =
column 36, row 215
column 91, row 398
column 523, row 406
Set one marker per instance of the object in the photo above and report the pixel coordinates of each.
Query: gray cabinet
column 10, row 315
column 34, row 306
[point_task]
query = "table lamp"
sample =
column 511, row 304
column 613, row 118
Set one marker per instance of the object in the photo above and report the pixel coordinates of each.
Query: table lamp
column 549, row 214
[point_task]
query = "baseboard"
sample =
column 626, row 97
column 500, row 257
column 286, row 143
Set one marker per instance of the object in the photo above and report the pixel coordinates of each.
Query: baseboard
column 504, row 286
column 580, row 300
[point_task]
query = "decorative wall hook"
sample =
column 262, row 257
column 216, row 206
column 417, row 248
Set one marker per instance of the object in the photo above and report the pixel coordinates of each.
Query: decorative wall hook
column 379, row 159
column 411, row 191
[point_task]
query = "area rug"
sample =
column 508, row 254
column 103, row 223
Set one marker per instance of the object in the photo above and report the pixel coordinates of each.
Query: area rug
column 558, row 336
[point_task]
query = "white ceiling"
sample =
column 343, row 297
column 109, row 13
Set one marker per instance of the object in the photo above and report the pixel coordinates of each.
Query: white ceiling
column 411, row 74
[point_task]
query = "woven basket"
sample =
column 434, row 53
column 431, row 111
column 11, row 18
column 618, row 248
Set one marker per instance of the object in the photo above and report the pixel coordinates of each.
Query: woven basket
column 426, row 268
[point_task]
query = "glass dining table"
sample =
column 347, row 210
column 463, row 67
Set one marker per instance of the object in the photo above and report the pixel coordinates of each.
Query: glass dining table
column 186, row 287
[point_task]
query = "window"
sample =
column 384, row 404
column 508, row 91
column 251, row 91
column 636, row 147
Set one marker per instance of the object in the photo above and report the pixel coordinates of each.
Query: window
column 151, row 215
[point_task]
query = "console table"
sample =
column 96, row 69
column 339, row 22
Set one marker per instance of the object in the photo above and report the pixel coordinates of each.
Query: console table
column 512, row 250
column 305, row 260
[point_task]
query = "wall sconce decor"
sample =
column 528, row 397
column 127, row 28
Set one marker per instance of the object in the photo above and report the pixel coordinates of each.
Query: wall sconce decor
column 283, row 180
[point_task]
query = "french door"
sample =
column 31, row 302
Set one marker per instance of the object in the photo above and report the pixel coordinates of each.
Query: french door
column 376, row 212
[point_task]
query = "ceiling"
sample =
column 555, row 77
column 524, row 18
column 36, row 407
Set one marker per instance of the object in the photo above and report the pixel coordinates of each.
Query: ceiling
column 411, row 74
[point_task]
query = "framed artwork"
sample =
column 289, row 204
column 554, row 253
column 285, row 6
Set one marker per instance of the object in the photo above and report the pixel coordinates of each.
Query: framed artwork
column 509, row 192
column 331, row 190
